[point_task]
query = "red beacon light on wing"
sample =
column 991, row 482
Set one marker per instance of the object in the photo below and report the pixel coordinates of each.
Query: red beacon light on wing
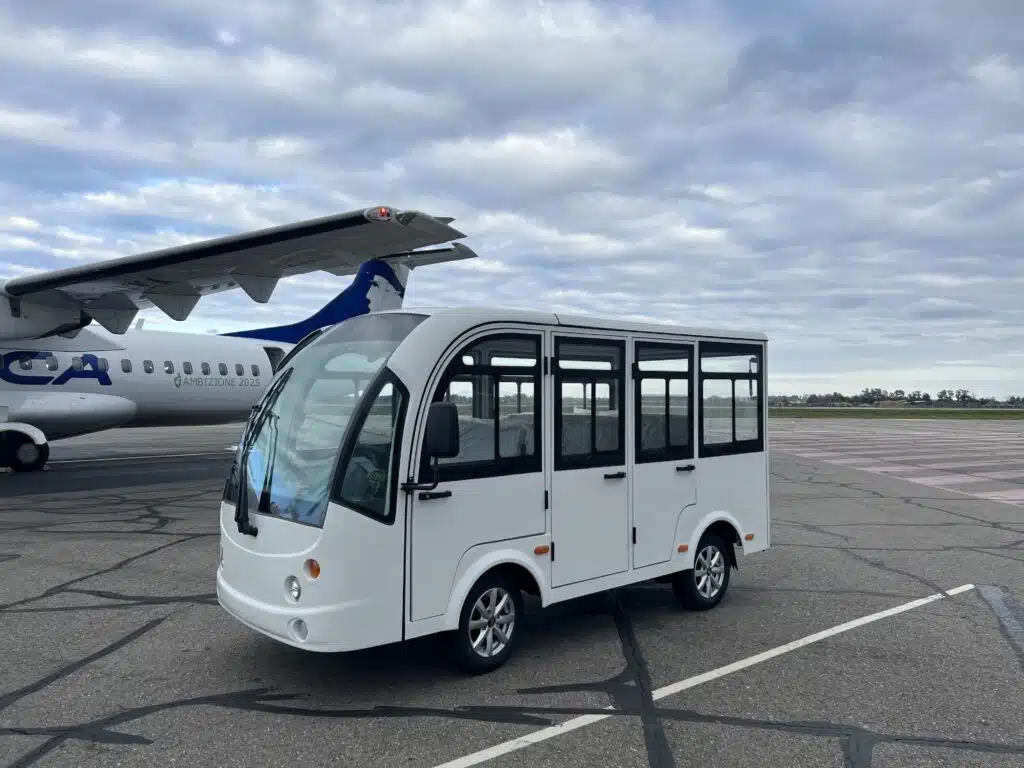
column 380, row 213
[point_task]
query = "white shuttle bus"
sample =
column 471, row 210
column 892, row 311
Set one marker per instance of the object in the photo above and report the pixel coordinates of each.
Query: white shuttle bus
column 411, row 472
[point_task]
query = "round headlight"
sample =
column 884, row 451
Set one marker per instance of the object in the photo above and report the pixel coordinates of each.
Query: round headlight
column 293, row 588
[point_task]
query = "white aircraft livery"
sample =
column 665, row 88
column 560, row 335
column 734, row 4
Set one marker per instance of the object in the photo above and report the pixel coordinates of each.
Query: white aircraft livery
column 61, row 376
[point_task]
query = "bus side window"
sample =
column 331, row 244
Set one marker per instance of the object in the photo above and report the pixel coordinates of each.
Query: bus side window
column 663, row 375
column 732, row 408
column 371, row 459
column 495, row 382
column 590, row 423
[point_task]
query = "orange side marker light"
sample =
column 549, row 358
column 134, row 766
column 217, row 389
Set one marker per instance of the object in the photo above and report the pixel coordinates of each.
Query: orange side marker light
column 541, row 549
column 313, row 569
column 749, row 537
column 683, row 548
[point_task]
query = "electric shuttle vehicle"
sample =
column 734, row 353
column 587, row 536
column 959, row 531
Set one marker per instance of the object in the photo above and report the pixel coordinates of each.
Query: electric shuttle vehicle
column 411, row 472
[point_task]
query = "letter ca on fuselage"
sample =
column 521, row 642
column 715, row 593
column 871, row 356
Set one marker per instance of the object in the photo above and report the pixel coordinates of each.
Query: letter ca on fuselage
column 90, row 370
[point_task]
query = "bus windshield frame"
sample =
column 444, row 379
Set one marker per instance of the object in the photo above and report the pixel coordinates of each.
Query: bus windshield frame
column 287, row 462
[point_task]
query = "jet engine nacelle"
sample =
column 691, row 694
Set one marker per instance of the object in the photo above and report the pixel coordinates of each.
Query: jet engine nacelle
column 25, row 320
column 68, row 414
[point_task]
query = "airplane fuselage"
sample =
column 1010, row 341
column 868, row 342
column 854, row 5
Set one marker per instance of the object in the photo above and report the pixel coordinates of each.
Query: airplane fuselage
column 97, row 381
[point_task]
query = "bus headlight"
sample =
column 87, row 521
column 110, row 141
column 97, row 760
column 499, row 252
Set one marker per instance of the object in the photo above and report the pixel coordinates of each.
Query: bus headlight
column 293, row 589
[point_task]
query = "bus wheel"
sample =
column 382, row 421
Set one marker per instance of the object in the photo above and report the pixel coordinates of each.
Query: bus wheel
column 703, row 586
column 489, row 624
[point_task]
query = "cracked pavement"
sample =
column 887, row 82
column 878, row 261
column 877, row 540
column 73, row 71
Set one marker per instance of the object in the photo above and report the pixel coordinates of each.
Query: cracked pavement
column 113, row 650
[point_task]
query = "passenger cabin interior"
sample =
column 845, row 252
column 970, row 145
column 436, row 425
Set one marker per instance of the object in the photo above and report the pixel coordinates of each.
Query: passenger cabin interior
column 495, row 382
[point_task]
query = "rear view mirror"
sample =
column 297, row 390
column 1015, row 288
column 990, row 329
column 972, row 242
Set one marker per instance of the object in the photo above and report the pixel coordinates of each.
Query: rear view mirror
column 442, row 437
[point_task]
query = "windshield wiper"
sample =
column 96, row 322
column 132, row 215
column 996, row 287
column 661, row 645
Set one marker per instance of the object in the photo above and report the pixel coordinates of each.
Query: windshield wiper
column 264, row 503
column 242, row 504
column 256, row 422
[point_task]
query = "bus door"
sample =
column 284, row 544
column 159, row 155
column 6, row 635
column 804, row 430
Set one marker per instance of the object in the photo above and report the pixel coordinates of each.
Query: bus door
column 590, row 484
column 664, row 493
column 493, row 491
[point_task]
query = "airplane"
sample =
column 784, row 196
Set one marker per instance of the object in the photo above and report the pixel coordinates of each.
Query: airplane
column 61, row 376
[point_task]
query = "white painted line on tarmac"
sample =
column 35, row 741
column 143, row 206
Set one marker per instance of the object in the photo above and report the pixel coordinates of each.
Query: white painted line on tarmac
column 140, row 457
column 946, row 489
column 576, row 723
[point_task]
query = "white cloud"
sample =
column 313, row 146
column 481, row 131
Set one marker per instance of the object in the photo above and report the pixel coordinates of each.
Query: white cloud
column 845, row 178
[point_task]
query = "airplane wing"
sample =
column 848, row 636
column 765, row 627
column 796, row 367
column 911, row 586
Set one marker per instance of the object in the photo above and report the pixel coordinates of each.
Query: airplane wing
column 174, row 279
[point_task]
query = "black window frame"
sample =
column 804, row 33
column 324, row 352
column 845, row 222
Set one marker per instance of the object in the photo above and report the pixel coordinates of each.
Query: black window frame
column 355, row 427
column 669, row 452
column 499, row 466
column 592, row 376
column 738, row 349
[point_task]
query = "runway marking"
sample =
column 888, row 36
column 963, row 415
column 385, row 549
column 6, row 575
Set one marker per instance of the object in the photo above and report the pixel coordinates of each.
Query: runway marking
column 944, row 480
column 961, row 464
column 513, row 745
column 1014, row 496
column 138, row 458
column 964, row 459
column 1013, row 474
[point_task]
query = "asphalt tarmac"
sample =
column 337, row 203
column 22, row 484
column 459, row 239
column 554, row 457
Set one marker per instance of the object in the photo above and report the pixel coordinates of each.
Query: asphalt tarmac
column 113, row 651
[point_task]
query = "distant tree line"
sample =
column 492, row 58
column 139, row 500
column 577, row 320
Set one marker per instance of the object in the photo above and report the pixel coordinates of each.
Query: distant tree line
column 879, row 396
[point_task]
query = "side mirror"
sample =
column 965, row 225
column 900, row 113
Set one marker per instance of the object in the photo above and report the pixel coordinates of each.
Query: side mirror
column 441, row 440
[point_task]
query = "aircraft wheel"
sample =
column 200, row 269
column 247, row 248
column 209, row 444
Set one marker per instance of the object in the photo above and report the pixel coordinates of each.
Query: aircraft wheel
column 23, row 455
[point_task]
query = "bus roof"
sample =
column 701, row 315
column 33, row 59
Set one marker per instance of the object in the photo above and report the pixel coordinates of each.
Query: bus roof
column 474, row 315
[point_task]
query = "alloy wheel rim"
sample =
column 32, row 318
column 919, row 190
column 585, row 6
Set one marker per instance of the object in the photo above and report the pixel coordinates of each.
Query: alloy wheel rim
column 491, row 622
column 709, row 571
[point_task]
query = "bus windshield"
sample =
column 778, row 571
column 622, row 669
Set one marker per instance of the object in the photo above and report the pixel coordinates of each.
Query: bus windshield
column 287, row 456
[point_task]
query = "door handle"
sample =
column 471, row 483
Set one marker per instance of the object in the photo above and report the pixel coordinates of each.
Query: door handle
column 615, row 476
column 428, row 495
column 686, row 468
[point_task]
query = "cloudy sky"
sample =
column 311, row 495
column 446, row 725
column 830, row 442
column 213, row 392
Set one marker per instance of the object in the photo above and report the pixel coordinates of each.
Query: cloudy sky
column 844, row 175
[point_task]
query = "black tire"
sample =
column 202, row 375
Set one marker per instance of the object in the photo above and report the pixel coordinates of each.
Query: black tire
column 18, row 443
column 689, row 586
column 464, row 655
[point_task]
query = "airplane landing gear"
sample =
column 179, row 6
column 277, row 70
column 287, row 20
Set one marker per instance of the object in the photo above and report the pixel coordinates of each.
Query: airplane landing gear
column 20, row 453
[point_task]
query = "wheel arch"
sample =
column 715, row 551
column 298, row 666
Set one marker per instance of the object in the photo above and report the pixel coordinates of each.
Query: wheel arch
column 726, row 527
column 511, row 562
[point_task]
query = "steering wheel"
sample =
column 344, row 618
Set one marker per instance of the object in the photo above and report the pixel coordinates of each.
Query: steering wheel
column 365, row 482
